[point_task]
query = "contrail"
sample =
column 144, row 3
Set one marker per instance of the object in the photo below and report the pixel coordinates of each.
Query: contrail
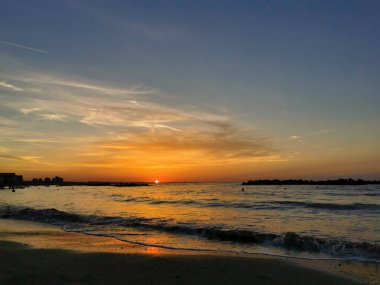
column 20, row 46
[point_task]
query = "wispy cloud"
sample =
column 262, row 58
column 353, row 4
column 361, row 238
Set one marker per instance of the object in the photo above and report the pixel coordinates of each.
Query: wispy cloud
column 53, row 117
column 48, row 80
column 41, row 112
column 22, row 46
column 20, row 158
column 318, row 132
column 10, row 86
column 190, row 147
column 111, row 127
column 294, row 138
column 26, row 111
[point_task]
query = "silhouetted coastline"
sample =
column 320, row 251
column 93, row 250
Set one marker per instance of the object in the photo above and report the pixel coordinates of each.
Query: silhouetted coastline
column 88, row 183
column 341, row 181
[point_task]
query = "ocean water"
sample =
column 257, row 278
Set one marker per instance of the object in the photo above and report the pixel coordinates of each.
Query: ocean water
column 294, row 221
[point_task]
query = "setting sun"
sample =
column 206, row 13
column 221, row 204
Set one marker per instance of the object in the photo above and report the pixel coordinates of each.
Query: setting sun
column 258, row 119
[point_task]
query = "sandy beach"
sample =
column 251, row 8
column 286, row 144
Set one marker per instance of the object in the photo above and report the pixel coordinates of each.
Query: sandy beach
column 36, row 253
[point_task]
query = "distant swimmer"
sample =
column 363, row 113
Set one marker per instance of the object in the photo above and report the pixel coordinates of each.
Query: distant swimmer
column 242, row 189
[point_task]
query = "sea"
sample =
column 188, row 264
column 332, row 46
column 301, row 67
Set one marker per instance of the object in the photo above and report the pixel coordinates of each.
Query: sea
column 303, row 221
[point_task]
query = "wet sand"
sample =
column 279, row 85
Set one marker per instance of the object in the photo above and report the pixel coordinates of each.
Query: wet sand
column 35, row 253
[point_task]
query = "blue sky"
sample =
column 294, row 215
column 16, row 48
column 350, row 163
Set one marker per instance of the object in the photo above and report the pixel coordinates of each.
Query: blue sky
column 297, row 78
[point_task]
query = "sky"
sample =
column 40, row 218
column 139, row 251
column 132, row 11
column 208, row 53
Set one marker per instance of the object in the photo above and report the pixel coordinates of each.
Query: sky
column 190, row 90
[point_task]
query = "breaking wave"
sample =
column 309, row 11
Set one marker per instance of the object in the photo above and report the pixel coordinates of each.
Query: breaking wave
column 288, row 240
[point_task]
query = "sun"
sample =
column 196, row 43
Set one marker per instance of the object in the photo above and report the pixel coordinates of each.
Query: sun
column 156, row 181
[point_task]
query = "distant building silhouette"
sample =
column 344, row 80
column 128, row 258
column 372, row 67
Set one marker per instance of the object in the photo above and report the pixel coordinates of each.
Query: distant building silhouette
column 47, row 181
column 10, row 180
column 57, row 180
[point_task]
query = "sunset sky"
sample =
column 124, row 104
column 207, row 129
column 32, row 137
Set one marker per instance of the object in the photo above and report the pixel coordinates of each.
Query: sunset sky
column 190, row 90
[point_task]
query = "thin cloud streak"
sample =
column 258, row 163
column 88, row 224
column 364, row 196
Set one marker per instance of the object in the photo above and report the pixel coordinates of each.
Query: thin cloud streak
column 44, row 80
column 24, row 47
column 53, row 117
column 10, row 86
column 21, row 158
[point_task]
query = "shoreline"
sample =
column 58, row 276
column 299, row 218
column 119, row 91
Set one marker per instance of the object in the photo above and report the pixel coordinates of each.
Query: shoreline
column 29, row 248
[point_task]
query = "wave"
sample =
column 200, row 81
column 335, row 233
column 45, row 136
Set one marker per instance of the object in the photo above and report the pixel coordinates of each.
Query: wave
column 288, row 240
column 257, row 205
column 330, row 206
column 371, row 194
column 188, row 202
column 211, row 249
